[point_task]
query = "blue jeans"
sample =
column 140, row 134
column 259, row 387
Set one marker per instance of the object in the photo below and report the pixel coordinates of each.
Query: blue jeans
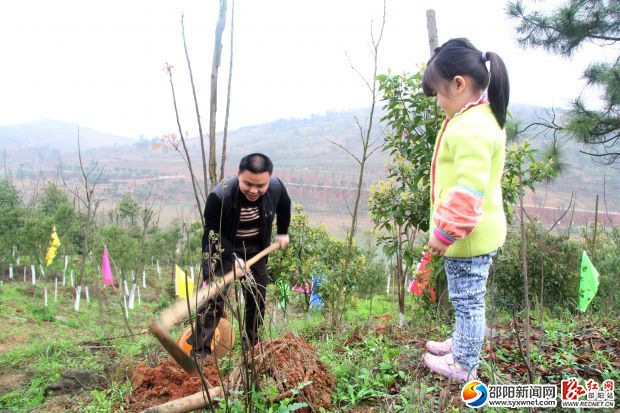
column 467, row 286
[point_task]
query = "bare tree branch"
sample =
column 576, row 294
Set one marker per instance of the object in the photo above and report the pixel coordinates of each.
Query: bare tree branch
column 358, row 72
column 168, row 68
column 230, row 71
column 191, row 77
column 344, row 149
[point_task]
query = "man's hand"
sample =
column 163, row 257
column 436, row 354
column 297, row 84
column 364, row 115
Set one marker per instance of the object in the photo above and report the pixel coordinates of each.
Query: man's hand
column 436, row 247
column 284, row 240
column 239, row 265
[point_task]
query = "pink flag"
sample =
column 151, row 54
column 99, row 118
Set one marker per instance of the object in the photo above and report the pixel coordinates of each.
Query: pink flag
column 106, row 270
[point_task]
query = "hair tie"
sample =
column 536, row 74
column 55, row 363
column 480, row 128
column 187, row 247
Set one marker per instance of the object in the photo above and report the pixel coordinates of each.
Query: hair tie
column 484, row 57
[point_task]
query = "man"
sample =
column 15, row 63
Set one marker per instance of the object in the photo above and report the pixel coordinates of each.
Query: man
column 240, row 213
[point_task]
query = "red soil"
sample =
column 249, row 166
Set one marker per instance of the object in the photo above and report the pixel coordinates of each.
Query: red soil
column 153, row 386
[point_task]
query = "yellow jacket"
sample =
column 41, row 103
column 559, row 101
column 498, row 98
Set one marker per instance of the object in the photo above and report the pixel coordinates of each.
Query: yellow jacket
column 466, row 195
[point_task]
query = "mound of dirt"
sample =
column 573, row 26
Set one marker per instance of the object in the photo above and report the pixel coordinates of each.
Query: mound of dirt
column 167, row 381
column 287, row 362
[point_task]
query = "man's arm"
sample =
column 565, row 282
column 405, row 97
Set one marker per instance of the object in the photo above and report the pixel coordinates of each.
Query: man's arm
column 283, row 217
column 213, row 215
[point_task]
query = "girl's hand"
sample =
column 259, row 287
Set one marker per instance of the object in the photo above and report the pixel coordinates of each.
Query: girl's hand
column 436, row 247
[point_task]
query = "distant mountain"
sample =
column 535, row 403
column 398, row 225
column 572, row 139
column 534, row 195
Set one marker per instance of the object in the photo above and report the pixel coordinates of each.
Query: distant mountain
column 298, row 143
column 57, row 135
column 300, row 148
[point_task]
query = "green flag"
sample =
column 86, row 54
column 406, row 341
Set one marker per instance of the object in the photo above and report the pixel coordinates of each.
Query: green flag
column 283, row 292
column 588, row 286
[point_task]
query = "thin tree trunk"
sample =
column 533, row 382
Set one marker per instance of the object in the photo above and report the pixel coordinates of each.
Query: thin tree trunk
column 366, row 153
column 217, row 56
column 595, row 228
column 230, row 71
column 88, row 215
column 542, row 304
column 431, row 27
column 526, row 291
column 401, row 276
column 572, row 214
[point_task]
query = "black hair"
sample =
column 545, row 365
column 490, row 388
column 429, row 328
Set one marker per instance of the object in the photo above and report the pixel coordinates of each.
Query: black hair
column 458, row 57
column 256, row 163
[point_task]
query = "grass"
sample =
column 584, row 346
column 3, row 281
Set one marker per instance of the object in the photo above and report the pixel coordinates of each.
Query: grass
column 42, row 342
column 376, row 364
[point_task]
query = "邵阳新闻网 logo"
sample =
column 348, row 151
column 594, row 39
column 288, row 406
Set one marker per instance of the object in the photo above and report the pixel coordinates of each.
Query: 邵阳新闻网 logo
column 474, row 394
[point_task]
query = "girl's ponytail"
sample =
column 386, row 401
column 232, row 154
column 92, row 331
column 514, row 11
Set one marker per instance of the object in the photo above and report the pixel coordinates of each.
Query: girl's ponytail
column 499, row 88
column 460, row 57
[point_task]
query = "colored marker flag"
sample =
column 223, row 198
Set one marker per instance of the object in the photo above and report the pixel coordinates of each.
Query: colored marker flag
column 588, row 286
column 180, row 283
column 52, row 248
column 106, row 270
column 284, row 292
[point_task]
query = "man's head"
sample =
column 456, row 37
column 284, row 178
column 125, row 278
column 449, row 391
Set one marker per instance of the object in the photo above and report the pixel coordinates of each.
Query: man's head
column 254, row 173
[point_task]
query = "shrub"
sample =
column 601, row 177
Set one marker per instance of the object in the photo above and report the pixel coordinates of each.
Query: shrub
column 554, row 256
column 605, row 256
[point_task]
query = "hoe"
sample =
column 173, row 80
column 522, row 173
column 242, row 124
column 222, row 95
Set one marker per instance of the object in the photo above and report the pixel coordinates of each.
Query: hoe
column 160, row 327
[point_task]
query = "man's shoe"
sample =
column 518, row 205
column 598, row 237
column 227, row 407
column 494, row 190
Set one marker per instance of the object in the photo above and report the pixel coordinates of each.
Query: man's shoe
column 439, row 348
column 448, row 367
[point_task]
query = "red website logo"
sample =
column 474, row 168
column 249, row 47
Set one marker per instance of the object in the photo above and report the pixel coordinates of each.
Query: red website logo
column 571, row 389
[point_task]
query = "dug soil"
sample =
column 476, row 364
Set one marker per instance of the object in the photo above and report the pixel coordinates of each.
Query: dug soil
column 167, row 381
column 289, row 363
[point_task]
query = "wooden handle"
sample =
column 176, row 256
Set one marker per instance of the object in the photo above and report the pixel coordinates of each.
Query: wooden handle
column 188, row 403
column 178, row 311
column 263, row 253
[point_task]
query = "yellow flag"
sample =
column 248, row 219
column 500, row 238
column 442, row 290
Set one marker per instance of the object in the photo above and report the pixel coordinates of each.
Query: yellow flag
column 52, row 248
column 179, row 282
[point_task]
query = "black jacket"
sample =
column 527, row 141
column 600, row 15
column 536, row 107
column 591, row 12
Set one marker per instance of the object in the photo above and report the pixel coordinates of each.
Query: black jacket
column 223, row 206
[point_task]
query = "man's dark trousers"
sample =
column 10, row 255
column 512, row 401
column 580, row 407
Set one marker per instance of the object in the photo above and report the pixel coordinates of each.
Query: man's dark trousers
column 209, row 314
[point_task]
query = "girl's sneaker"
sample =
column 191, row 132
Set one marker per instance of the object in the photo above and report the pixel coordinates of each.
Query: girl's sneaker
column 439, row 348
column 447, row 367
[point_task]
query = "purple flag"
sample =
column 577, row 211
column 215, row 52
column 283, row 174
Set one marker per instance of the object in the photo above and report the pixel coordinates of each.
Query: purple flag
column 106, row 270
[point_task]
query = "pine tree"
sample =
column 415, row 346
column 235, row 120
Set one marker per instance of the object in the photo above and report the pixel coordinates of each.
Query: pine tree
column 562, row 32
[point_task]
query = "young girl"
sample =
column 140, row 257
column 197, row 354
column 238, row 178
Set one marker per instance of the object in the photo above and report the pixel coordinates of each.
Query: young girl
column 467, row 218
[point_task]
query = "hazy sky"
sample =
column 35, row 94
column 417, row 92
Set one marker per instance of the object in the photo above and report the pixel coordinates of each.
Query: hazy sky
column 99, row 63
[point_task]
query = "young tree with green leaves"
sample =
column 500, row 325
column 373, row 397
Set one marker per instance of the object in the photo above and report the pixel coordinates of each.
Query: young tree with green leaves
column 563, row 31
column 128, row 209
column 400, row 205
column 369, row 147
column 11, row 214
column 301, row 261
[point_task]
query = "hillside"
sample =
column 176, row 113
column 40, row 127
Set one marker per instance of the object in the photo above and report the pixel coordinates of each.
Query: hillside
column 319, row 174
column 57, row 135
